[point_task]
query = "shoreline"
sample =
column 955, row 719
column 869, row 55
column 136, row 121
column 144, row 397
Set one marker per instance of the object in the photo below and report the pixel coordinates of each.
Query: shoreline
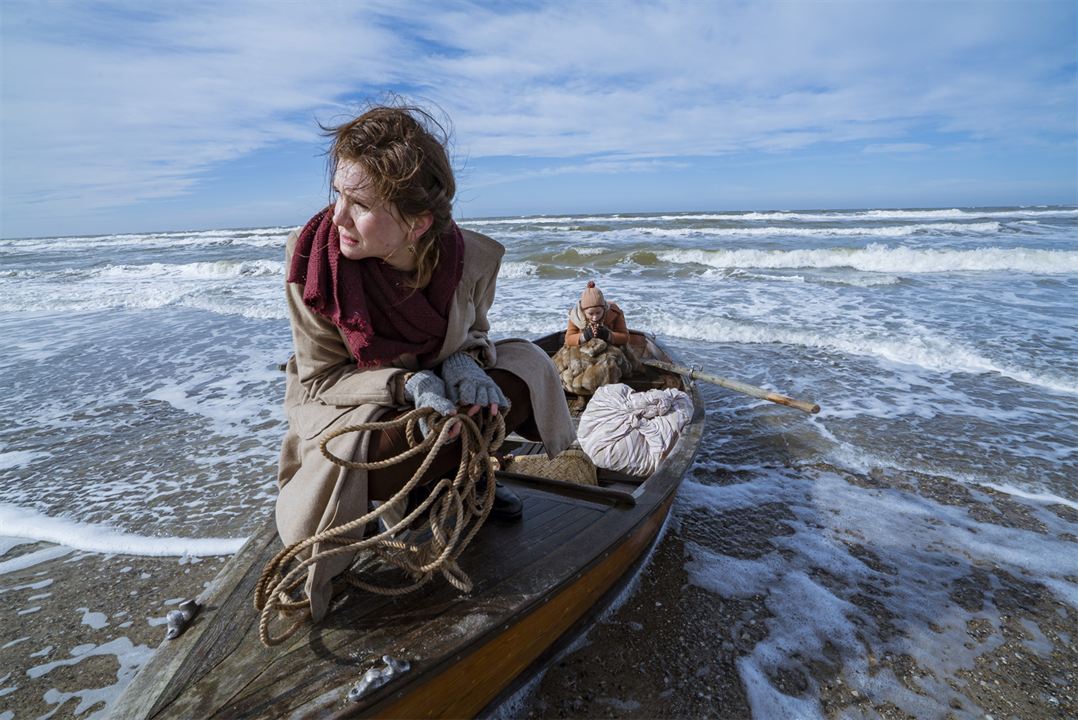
column 72, row 637
column 677, row 649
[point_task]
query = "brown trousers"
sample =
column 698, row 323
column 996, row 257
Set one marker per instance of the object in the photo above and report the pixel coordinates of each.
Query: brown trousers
column 384, row 484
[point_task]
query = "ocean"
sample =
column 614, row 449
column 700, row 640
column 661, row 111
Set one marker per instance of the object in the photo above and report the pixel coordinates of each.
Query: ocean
column 910, row 551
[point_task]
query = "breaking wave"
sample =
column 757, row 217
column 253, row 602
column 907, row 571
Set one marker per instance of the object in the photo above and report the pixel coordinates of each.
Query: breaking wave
column 881, row 258
column 264, row 237
column 222, row 269
column 896, row 231
column 789, row 216
column 642, row 228
column 926, row 351
column 219, row 270
column 511, row 270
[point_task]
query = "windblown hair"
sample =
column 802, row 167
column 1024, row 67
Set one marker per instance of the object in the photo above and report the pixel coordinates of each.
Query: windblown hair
column 402, row 149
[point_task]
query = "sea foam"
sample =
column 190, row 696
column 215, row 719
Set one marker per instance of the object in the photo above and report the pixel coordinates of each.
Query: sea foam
column 885, row 259
column 130, row 658
column 220, row 270
column 513, row 270
column 19, row 458
column 890, row 231
column 21, row 522
column 264, row 237
column 924, row 350
column 785, row 216
column 844, row 549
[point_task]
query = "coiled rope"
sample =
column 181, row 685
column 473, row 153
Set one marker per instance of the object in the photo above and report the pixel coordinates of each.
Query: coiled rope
column 456, row 512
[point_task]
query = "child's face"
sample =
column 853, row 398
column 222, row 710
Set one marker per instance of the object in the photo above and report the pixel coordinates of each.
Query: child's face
column 594, row 314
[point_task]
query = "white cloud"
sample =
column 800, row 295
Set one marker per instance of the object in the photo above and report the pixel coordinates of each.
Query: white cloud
column 594, row 166
column 114, row 119
column 111, row 104
column 876, row 149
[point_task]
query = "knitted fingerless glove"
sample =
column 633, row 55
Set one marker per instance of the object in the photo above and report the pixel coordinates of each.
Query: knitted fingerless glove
column 425, row 389
column 467, row 384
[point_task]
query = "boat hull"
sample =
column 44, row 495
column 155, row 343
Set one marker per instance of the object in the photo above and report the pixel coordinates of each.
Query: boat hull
column 493, row 670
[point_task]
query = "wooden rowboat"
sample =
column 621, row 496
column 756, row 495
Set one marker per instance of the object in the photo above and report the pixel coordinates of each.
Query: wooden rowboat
column 538, row 584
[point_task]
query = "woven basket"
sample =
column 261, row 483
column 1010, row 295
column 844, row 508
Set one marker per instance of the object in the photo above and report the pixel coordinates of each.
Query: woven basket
column 572, row 465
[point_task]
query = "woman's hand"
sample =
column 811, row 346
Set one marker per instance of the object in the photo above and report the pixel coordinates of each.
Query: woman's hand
column 425, row 389
column 596, row 330
column 470, row 411
column 470, row 387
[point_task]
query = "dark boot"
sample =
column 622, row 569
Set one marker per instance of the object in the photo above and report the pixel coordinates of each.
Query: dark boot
column 507, row 504
column 507, row 507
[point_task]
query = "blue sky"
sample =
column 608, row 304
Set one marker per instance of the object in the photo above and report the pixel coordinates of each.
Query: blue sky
column 135, row 116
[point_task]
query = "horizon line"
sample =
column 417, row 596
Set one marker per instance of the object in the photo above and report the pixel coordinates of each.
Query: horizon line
column 571, row 215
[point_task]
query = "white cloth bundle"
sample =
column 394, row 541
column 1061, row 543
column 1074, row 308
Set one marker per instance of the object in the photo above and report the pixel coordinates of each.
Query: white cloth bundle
column 630, row 432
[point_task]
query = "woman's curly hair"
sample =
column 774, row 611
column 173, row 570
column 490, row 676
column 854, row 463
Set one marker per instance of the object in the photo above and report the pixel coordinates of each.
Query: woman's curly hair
column 402, row 150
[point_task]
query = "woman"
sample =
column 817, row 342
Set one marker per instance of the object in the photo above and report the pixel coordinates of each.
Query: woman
column 594, row 317
column 388, row 303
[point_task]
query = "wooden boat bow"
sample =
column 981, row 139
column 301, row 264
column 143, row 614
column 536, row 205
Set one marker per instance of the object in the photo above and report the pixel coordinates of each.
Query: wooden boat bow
column 537, row 584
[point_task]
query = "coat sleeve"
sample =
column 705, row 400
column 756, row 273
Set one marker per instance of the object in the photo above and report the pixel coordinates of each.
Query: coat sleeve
column 619, row 331
column 324, row 365
column 572, row 335
column 477, row 343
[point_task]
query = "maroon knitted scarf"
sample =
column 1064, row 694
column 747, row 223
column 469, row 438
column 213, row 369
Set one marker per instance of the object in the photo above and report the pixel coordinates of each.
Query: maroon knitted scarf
column 381, row 316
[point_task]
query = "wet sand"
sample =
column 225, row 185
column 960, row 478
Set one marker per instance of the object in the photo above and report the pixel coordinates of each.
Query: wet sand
column 99, row 619
column 671, row 650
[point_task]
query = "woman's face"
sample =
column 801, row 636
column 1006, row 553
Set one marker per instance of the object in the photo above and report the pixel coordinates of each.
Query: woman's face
column 594, row 314
column 368, row 227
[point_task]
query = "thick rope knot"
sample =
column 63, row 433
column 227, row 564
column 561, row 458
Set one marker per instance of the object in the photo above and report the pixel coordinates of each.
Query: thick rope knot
column 452, row 514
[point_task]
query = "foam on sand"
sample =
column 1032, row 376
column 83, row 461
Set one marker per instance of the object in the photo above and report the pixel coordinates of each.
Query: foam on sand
column 130, row 657
column 23, row 522
column 1046, row 498
column 868, row 573
column 30, row 559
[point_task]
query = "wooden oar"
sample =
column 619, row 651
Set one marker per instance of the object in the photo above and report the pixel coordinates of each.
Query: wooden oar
column 740, row 387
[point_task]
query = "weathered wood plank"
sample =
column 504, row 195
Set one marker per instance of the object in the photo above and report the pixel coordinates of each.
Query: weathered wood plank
column 420, row 630
column 336, row 636
column 178, row 661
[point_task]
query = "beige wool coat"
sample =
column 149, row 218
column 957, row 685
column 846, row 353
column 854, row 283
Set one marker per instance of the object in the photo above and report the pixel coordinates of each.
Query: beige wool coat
column 325, row 390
